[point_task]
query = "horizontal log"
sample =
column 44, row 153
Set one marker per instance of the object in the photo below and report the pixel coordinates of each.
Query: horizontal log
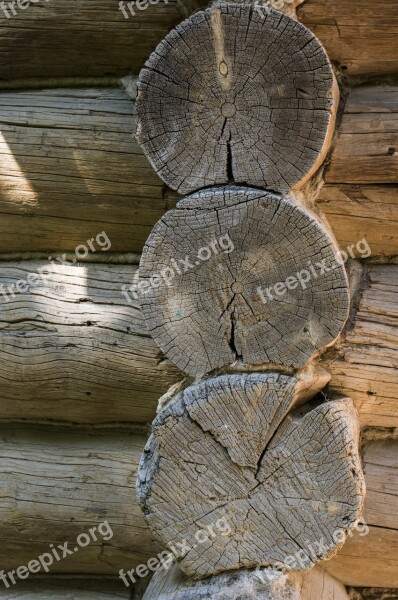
column 360, row 37
column 357, row 212
column 77, row 170
column 74, row 341
column 58, row 482
column 71, row 168
column 366, row 151
column 96, row 39
column 372, row 560
column 67, row 589
column 99, row 40
column 73, row 348
column 363, row 365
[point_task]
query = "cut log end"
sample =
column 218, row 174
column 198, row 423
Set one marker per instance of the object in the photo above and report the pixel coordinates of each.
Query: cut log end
column 240, row 275
column 231, row 475
column 255, row 105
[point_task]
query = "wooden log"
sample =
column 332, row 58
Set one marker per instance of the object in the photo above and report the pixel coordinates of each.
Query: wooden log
column 74, row 347
column 245, row 109
column 372, row 560
column 359, row 37
column 367, row 149
column 70, row 169
column 262, row 584
column 67, row 589
column 225, row 452
column 258, row 313
column 77, row 170
column 357, row 212
column 97, row 40
column 59, row 483
column 363, row 364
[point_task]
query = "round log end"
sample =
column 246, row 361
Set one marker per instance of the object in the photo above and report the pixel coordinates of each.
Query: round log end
column 231, row 479
column 238, row 275
column 236, row 93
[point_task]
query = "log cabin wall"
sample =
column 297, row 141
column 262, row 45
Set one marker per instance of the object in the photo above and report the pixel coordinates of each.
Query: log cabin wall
column 81, row 377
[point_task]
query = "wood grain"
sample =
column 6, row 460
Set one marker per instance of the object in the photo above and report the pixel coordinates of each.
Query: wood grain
column 372, row 560
column 85, row 40
column 364, row 366
column 57, row 484
column 73, row 348
column 359, row 36
column 70, row 168
column 256, row 107
column 252, row 243
column 367, row 148
column 227, row 451
column 77, row 170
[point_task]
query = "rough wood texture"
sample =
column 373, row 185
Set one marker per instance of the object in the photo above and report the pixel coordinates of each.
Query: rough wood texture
column 368, row 561
column 360, row 36
column 372, row 560
column 57, row 484
column 373, row 594
column 259, row 240
column 70, row 168
column 367, row 149
column 77, row 170
column 357, row 212
column 73, row 348
column 363, row 366
column 256, row 105
column 66, row 589
column 93, row 39
column 262, row 584
column 263, row 473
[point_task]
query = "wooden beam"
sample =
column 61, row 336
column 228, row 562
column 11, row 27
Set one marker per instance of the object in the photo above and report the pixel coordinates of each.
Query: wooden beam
column 360, row 37
column 77, row 170
column 74, row 347
column 372, row 560
column 60, row 482
column 54, row 365
column 366, row 151
column 96, row 40
column 363, row 365
column 71, row 168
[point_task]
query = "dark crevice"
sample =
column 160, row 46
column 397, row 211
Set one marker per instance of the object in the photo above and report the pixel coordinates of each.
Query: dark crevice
column 230, row 172
column 232, row 340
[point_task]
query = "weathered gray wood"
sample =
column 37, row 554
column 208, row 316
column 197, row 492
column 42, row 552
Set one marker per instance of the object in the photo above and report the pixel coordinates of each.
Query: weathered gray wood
column 57, row 483
column 367, row 148
column 217, row 311
column 77, row 170
column 71, row 168
column 66, row 589
column 244, row 463
column 95, row 40
column 261, row 584
column 363, row 364
column 255, row 105
column 74, row 348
